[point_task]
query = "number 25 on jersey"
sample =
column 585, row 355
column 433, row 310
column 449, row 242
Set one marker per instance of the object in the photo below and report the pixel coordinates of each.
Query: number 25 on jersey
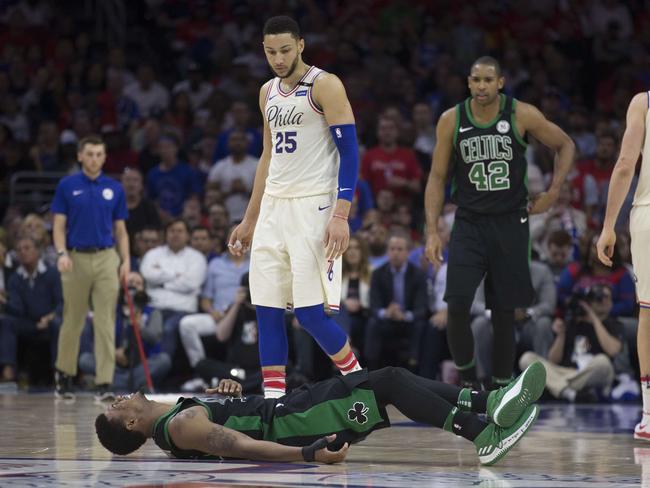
column 285, row 142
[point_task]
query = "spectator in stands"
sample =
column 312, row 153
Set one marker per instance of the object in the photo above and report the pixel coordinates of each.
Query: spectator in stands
column 171, row 182
column 202, row 241
column 579, row 131
column 389, row 166
column 142, row 212
column 238, row 330
column 45, row 153
column 398, row 305
column 377, row 237
column 355, row 293
column 33, row 309
column 150, row 95
column 223, row 280
column 532, row 325
column 197, row 89
column 173, row 274
column 386, row 207
column 560, row 216
column 145, row 240
column 425, row 134
column 219, row 225
column 593, row 174
column 585, row 343
column 191, row 213
column 590, row 271
column 129, row 370
column 33, row 226
column 146, row 141
column 239, row 119
column 559, row 251
column 235, row 175
column 115, row 108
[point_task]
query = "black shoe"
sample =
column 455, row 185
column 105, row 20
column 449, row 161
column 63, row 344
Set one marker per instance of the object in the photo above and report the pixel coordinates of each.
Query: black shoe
column 63, row 386
column 103, row 393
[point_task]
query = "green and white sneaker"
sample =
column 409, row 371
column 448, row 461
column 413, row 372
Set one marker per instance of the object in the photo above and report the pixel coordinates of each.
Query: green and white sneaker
column 495, row 442
column 505, row 405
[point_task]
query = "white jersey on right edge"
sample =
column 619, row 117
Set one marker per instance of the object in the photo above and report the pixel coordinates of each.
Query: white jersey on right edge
column 642, row 194
column 304, row 158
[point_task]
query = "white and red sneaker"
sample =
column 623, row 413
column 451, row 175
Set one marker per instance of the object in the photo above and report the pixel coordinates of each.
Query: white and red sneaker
column 642, row 430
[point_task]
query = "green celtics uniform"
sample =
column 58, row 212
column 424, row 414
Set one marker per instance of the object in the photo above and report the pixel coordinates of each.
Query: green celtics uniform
column 343, row 405
column 489, row 171
column 491, row 237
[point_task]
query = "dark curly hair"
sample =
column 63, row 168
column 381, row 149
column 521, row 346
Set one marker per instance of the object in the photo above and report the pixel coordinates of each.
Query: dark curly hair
column 115, row 437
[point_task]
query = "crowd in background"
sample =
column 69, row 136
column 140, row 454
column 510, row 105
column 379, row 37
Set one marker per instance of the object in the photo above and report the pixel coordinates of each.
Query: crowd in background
column 172, row 87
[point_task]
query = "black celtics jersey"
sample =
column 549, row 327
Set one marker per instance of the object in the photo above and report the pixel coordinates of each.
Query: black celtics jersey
column 344, row 405
column 489, row 173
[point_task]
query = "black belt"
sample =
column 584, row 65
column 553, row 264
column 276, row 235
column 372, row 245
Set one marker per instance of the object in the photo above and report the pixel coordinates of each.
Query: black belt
column 89, row 250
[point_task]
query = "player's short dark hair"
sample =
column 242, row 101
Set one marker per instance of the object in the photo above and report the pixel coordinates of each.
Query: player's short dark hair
column 200, row 228
column 177, row 221
column 489, row 61
column 560, row 238
column 282, row 24
column 92, row 139
column 115, row 437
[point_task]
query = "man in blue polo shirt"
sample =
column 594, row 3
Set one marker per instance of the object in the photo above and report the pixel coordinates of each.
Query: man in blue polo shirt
column 89, row 222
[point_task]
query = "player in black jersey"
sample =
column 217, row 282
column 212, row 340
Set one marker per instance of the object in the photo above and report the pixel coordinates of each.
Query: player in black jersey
column 318, row 422
column 481, row 144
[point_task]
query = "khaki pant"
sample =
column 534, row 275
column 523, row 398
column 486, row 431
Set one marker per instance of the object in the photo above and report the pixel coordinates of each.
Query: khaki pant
column 599, row 373
column 93, row 280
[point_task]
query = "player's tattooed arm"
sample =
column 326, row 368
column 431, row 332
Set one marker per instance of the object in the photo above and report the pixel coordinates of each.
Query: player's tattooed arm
column 219, row 440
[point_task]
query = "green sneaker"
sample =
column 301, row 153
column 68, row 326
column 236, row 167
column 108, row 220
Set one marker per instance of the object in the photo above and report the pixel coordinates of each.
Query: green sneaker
column 495, row 442
column 505, row 405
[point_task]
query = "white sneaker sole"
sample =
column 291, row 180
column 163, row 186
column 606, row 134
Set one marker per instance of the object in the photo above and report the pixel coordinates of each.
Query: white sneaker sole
column 510, row 441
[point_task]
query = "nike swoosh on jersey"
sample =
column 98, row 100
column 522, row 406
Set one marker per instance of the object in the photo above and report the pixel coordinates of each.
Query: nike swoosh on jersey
column 464, row 129
column 271, row 98
column 323, row 208
column 523, row 220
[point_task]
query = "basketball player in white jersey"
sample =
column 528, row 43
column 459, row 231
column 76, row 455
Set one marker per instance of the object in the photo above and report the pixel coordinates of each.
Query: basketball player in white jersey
column 636, row 136
column 296, row 221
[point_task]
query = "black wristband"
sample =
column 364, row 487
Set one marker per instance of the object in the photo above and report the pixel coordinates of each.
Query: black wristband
column 309, row 452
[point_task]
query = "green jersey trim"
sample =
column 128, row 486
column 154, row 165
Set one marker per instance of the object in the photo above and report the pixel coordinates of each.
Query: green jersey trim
column 513, row 124
column 468, row 111
column 457, row 124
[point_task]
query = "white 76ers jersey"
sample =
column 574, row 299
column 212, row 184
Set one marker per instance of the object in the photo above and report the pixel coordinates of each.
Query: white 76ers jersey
column 304, row 158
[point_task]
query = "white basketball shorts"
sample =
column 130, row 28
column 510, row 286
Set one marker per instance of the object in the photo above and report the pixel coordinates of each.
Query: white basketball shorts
column 288, row 267
column 640, row 242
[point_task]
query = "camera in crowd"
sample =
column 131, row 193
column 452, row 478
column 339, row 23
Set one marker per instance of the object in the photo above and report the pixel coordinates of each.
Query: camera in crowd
column 591, row 294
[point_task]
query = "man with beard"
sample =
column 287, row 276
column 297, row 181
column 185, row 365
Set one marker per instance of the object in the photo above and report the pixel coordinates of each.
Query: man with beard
column 297, row 217
column 482, row 143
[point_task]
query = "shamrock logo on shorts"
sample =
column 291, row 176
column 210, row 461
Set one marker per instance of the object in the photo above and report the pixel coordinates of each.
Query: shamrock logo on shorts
column 358, row 413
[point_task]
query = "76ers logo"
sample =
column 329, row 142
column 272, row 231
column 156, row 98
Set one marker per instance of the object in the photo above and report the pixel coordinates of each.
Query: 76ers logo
column 330, row 269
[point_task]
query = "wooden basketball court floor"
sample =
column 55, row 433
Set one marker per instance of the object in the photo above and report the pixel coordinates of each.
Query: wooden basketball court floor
column 44, row 442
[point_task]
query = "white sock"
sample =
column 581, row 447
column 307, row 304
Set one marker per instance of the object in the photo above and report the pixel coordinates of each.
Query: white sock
column 645, row 395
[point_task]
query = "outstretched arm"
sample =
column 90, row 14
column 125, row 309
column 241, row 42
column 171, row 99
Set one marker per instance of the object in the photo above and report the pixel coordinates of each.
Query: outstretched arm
column 191, row 429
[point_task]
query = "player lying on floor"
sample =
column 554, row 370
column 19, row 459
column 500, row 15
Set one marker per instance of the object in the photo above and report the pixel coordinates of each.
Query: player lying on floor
column 318, row 422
